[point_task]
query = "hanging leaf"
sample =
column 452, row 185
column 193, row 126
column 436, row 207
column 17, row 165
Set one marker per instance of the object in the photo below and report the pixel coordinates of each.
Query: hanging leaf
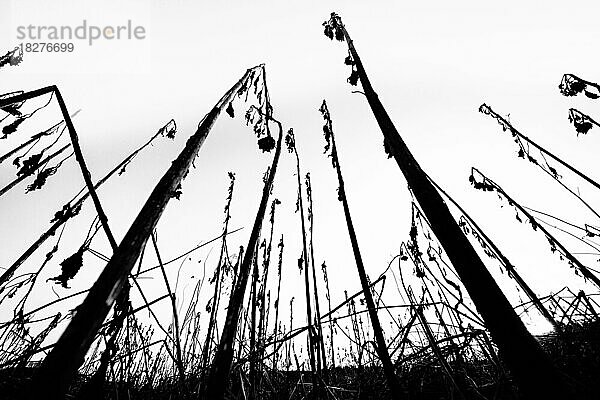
column 69, row 268
column 552, row 244
column 169, row 129
column 348, row 60
column 41, row 178
column 66, row 213
column 533, row 223
column 353, row 78
column 30, row 165
column 387, row 148
column 12, row 127
column 327, row 135
column 518, row 217
column 582, row 126
column 229, row 110
column 419, row 272
column 480, row 185
column 266, row 144
column 123, row 169
column 571, row 85
column 582, row 122
column 328, row 31
column 177, row 192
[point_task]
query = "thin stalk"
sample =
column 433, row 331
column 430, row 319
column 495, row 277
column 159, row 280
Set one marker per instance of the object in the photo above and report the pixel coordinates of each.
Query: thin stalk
column 253, row 305
column 87, row 176
column 219, row 374
column 276, row 305
column 177, row 337
column 218, row 281
column 311, row 219
column 291, row 143
column 381, row 347
column 436, row 349
column 328, row 296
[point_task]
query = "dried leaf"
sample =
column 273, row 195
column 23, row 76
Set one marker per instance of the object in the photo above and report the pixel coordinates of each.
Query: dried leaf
column 230, row 111
column 353, row 78
column 30, row 165
column 177, row 192
column 266, row 144
column 69, row 267
column 41, row 178
column 12, row 127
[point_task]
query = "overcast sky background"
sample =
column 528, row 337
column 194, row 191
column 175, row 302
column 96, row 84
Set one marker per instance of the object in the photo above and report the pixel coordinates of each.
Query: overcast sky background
column 432, row 64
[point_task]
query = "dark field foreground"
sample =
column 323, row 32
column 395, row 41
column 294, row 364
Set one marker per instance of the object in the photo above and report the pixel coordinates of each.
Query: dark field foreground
column 576, row 353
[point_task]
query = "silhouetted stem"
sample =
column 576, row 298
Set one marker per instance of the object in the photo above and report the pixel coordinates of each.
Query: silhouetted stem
column 533, row 371
column 87, row 177
column 381, row 346
column 584, row 270
column 305, row 255
column 219, row 374
column 177, row 337
column 505, row 262
column 60, row 365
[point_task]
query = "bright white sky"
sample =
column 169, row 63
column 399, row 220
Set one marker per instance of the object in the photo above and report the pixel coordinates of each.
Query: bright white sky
column 432, row 63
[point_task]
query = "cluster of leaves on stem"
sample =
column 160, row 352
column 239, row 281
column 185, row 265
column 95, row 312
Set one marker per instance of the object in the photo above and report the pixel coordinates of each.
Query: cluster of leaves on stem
column 334, row 28
column 479, row 181
column 571, row 85
column 13, row 57
column 66, row 212
column 524, row 151
column 257, row 115
column 329, row 149
column 582, row 122
column 41, row 177
column 168, row 131
column 468, row 228
column 29, row 165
